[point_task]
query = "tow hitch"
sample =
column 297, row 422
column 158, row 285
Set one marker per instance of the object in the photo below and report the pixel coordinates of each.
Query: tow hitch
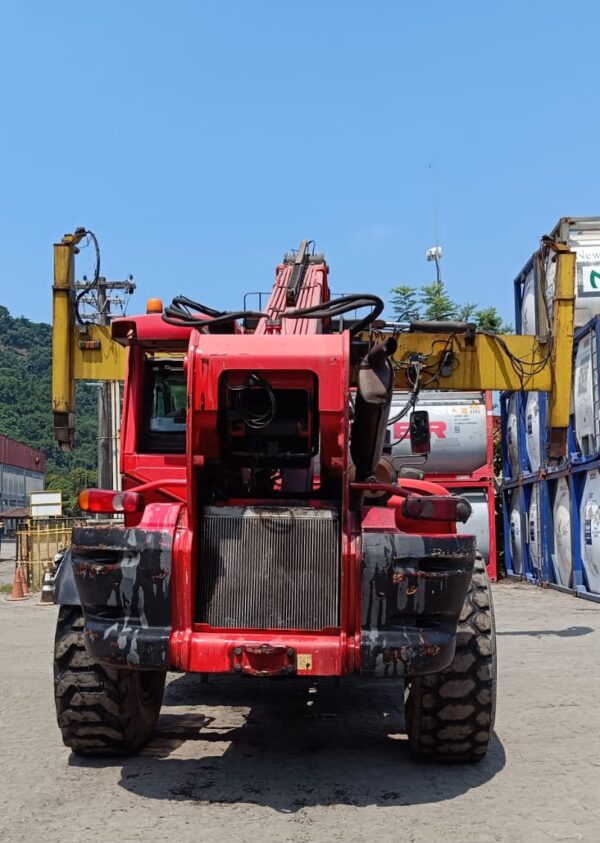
column 264, row 660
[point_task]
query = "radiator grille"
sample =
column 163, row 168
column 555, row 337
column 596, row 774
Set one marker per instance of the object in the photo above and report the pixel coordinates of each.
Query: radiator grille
column 269, row 567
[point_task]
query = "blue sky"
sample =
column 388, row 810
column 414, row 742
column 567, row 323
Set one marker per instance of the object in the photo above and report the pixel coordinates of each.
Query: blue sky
column 200, row 140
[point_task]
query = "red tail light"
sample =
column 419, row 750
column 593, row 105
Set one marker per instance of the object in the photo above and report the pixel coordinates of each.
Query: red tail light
column 107, row 500
column 437, row 508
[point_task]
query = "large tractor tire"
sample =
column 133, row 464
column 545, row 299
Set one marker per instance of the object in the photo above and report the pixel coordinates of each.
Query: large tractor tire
column 100, row 710
column 450, row 715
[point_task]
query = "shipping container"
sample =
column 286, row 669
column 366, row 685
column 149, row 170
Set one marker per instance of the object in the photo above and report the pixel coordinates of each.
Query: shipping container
column 526, row 520
column 514, row 530
column 585, row 520
column 513, row 435
column 21, row 456
column 478, row 524
column 536, row 538
column 461, row 433
column 526, row 298
column 534, row 285
column 536, row 432
column 524, row 433
column 461, row 457
column 560, row 530
column 582, row 235
column 585, row 442
column 552, row 513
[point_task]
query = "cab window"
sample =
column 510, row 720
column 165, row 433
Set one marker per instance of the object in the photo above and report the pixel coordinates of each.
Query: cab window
column 164, row 407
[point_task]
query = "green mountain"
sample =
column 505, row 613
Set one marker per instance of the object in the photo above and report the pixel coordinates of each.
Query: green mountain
column 26, row 406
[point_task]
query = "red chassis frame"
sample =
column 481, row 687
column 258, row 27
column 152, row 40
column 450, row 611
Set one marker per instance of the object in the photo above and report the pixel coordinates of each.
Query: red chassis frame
column 194, row 646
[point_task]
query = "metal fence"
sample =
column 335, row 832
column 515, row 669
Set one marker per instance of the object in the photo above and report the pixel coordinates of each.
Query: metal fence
column 37, row 545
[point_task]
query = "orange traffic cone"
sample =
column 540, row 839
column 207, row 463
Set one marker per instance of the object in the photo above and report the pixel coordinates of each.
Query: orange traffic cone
column 18, row 590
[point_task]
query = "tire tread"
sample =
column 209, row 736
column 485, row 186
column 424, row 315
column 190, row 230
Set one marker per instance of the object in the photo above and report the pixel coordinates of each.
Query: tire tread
column 450, row 715
column 97, row 709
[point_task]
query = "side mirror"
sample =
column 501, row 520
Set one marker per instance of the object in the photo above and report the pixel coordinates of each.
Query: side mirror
column 420, row 435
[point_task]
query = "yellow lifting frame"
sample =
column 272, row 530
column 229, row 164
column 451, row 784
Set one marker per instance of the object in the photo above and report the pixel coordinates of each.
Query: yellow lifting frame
column 480, row 362
column 79, row 352
column 483, row 361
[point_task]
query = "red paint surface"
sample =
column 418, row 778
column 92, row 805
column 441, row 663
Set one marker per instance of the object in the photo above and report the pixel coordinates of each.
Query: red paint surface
column 209, row 652
column 293, row 351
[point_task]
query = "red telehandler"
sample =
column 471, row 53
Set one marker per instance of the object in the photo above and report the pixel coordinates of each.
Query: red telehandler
column 261, row 533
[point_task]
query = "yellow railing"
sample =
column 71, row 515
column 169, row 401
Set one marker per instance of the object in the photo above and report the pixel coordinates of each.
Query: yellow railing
column 37, row 545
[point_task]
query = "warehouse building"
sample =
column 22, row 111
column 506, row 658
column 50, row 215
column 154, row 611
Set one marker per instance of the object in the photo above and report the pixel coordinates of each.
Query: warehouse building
column 21, row 472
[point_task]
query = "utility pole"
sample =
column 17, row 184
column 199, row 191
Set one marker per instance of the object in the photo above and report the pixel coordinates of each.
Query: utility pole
column 435, row 254
column 95, row 306
column 105, row 473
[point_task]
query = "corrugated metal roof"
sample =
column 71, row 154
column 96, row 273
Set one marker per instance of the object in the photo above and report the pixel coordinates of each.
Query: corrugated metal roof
column 15, row 512
column 21, row 456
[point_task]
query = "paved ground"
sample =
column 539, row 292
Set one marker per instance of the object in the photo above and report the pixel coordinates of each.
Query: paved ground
column 7, row 563
column 274, row 761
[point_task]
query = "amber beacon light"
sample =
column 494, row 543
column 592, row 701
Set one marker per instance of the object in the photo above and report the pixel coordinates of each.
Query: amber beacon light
column 154, row 306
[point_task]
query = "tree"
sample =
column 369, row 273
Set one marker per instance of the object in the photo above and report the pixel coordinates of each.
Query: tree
column 70, row 483
column 466, row 311
column 26, row 405
column 488, row 319
column 432, row 301
column 436, row 304
column 405, row 303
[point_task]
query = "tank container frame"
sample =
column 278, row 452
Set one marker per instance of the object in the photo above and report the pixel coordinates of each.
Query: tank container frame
column 576, row 454
column 507, row 472
column 524, row 488
column 551, row 479
column 578, row 478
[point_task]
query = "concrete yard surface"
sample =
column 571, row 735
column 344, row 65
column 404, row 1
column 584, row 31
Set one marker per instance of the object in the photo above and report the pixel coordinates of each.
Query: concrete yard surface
column 7, row 561
column 262, row 760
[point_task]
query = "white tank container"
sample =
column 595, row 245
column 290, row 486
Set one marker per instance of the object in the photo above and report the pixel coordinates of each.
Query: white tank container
column 528, row 305
column 561, row 519
column 583, row 237
column 512, row 434
column 589, row 515
column 516, row 532
column 533, row 442
column 534, row 532
column 586, row 410
column 458, row 423
column 478, row 524
column 587, row 278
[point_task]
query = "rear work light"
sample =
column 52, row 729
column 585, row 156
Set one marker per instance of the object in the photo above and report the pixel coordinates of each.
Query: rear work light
column 107, row 500
column 437, row 508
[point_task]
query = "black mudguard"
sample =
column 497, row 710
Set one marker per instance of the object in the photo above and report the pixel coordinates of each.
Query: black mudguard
column 413, row 589
column 123, row 581
column 65, row 590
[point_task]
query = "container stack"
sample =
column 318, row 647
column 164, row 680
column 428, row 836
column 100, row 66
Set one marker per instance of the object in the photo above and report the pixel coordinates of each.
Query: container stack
column 461, row 458
column 552, row 513
column 524, row 493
